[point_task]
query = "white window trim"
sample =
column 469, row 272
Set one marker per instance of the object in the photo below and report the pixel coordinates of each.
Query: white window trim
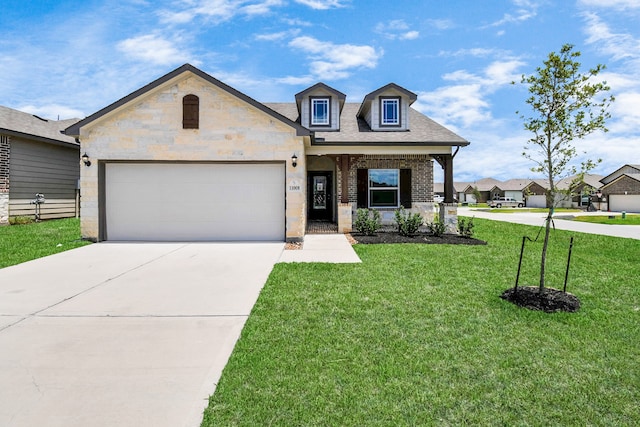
column 383, row 119
column 325, row 100
column 370, row 189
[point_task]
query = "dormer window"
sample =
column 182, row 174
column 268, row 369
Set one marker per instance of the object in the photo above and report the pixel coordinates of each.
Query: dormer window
column 320, row 114
column 389, row 111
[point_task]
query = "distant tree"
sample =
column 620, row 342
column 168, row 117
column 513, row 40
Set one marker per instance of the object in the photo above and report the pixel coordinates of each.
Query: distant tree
column 566, row 105
column 476, row 194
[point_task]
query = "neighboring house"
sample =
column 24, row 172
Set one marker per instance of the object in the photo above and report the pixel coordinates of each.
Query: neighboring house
column 513, row 188
column 535, row 192
column 458, row 190
column 187, row 157
column 621, row 189
column 483, row 186
column 35, row 157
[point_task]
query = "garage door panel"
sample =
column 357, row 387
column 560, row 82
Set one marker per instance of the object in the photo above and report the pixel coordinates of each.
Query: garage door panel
column 194, row 202
column 624, row 202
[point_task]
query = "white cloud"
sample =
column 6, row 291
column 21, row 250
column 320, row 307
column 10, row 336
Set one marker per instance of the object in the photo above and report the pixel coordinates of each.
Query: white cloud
column 396, row 29
column 154, row 49
column 322, row 4
column 608, row 4
column 278, row 36
column 217, row 11
column 440, row 24
column 335, row 61
column 477, row 52
column 618, row 45
column 53, row 111
column 525, row 10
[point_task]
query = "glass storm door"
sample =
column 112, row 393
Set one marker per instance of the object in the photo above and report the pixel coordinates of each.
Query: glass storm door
column 320, row 202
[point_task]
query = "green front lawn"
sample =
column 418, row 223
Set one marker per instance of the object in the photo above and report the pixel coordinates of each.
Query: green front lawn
column 616, row 220
column 20, row 243
column 417, row 335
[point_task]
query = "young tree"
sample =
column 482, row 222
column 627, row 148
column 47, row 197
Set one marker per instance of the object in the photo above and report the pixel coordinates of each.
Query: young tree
column 566, row 105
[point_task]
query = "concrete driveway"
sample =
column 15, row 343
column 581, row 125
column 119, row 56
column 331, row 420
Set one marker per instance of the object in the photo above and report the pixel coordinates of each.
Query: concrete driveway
column 120, row 334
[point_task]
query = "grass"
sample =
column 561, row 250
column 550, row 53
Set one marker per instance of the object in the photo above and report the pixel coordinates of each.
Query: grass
column 20, row 243
column 417, row 335
column 616, row 220
column 532, row 210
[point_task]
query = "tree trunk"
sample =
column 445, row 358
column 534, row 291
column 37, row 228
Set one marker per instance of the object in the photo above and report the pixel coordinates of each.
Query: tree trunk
column 545, row 243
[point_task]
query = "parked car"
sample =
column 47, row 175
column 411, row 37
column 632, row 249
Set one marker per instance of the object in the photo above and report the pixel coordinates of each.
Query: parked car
column 438, row 199
column 505, row 202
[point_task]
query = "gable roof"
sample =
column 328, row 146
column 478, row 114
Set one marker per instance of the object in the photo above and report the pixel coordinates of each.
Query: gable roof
column 612, row 176
column 29, row 126
column 186, row 68
column 356, row 131
column 391, row 86
column 589, row 179
column 633, row 176
column 516, row 184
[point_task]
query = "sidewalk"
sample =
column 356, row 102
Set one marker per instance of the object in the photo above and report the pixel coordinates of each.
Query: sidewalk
column 562, row 221
column 331, row 248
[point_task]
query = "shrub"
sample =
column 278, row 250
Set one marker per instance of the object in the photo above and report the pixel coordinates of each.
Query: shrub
column 19, row 220
column 408, row 224
column 367, row 221
column 437, row 228
column 465, row 227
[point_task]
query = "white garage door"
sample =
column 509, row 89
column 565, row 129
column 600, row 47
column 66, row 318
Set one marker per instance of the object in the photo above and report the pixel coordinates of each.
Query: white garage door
column 194, row 202
column 624, row 202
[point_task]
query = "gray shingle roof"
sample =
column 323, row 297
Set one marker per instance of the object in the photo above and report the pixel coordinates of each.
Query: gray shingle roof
column 353, row 130
column 22, row 124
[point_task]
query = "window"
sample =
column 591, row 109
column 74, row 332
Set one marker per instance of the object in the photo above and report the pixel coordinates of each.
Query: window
column 390, row 112
column 320, row 112
column 190, row 112
column 384, row 188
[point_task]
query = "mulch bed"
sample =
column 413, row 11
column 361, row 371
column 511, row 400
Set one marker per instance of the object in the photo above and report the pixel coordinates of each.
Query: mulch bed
column 551, row 300
column 424, row 238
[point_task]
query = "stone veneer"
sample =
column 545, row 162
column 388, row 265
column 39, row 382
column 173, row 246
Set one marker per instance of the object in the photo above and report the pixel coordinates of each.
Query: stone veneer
column 149, row 128
column 421, row 166
column 4, row 179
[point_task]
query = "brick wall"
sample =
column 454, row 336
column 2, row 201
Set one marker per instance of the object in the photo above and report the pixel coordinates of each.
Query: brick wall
column 4, row 163
column 421, row 173
column 624, row 185
column 4, row 179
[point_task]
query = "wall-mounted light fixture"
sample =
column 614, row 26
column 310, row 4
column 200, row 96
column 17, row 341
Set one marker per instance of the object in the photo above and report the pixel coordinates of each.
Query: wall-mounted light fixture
column 294, row 160
column 85, row 159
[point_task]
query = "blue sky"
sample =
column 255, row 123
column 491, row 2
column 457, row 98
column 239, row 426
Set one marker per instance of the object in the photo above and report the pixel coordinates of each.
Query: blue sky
column 71, row 58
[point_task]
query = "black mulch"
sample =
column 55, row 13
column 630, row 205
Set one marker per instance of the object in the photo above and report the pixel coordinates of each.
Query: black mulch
column 424, row 238
column 551, row 300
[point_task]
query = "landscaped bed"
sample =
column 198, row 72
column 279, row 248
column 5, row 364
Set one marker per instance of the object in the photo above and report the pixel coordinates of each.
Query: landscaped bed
column 417, row 334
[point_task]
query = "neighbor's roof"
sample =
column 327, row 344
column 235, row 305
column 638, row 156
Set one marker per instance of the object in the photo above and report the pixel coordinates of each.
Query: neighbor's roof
column 613, row 175
column 356, row 131
column 186, row 68
column 590, row 179
column 29, row 126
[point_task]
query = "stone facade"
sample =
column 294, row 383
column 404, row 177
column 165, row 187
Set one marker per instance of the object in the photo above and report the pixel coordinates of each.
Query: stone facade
column 149, row 128
column 4, row 178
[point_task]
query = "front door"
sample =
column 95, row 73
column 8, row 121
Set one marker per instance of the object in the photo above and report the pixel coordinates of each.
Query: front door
column 320, row 196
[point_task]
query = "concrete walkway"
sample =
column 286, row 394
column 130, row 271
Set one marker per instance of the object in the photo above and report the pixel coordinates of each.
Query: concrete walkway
column 331, row 248
column 562, row 221
column 122, row 334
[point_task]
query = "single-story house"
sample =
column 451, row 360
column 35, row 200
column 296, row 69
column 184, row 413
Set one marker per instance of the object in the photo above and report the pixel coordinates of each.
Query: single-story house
column 621, row 189
column 36, row 158
column 188, row 157
column 513, row 188
column 483, row 189
column 581, row 193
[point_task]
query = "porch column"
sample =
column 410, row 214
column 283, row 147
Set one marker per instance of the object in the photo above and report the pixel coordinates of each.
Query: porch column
column 448, row 208
column 345, row 217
